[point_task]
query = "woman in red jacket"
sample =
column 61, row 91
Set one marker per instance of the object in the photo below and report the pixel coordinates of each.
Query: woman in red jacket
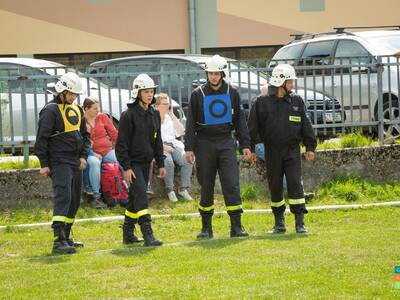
column 103, row 135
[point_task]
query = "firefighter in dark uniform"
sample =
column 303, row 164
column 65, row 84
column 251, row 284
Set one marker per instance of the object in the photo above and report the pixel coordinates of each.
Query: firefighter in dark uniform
column 62, row 144
column 214, row 113
column 139, row 141
column 279, row 120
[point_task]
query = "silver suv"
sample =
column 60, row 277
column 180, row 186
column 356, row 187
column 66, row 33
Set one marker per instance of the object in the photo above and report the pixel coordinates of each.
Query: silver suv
column 346, row 66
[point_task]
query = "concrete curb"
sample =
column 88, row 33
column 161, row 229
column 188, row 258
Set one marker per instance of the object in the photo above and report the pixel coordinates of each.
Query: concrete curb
column 192, row 215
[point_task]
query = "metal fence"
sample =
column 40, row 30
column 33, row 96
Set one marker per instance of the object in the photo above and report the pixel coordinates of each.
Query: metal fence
column 348, row 94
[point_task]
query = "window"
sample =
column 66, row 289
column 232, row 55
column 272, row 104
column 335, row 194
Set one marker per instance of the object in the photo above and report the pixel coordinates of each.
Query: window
column 318, row 54
column 131, row 68
column 351, row 52
column 290, row 52
column 80, row 61
column 181, row 73
column 288, row 55
column 253, row 55
column 312, row 5
column 347, row 48
column 31, row 85
column 318, row 50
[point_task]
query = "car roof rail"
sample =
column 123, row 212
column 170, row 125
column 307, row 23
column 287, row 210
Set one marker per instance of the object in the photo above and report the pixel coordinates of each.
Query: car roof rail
column 338, row 30
column 298, row 36
column 305, row 36
column 342, row 29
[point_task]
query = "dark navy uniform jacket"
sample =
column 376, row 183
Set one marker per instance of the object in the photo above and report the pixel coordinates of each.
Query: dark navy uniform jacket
column 62, row 137
column 281, row 122
column 195, row 119
column 139, row 137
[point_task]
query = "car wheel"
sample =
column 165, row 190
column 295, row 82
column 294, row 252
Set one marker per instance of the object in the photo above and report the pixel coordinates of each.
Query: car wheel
column 391, row 113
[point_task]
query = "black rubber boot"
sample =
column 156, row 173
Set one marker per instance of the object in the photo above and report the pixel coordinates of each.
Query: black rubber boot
column 149, row 239
column 60, row 244
column 279, row 227
column 237, row 229
column 128, row 233
column 70, row 241
column 299, row 219
column 206, row 227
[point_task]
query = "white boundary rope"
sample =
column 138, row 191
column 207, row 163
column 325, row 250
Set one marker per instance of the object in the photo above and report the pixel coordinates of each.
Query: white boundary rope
column 192, row 215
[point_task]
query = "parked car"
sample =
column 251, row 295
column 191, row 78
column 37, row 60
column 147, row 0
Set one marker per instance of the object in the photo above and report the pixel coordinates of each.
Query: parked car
column 324, row 110
column 178, row 74
column 35, row 79
column 345, row 65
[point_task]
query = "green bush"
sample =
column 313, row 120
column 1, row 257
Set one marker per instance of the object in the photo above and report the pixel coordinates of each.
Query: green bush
column 348, row 189
column 13, row 165
column 249, row 192
column 354, row 140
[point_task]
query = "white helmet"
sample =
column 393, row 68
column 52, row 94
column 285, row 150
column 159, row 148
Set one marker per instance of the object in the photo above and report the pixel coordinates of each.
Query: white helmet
column 142, row 82
column 281, row 73
column 217, row 64
column 69, row 82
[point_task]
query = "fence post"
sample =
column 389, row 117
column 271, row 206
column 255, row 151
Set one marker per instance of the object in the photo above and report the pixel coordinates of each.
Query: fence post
column 379, row 67
column 25, row 140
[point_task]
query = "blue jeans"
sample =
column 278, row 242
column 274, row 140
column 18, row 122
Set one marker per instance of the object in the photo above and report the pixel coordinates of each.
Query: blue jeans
column 260, row 152
column 177, row 158
column 92, row 173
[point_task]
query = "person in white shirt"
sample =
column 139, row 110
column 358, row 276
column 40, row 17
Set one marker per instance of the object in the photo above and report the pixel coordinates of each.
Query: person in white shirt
column 171, row 130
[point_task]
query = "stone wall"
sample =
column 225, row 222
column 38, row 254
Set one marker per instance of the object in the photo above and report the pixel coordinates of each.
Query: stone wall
column 26, row 188
column 373, row 163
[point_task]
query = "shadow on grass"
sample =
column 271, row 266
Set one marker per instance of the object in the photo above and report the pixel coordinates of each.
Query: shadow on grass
column 133, row 250
column 215, row 243
column 280, row 237
column 225, row 242
column 50, row 259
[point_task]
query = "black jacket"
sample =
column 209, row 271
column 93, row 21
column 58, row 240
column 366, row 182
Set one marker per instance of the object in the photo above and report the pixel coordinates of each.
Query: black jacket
column 139, row 137
column 281, row 122
column 195, row 118
column 62, row 136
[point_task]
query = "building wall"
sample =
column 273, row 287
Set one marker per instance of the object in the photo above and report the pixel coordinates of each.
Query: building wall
column 107, row 26
column 48, row 26
column 270, row 22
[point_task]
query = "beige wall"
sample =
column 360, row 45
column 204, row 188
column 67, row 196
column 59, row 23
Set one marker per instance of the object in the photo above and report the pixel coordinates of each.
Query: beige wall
column 55, row 26
column 265, row 22
column 48, row 26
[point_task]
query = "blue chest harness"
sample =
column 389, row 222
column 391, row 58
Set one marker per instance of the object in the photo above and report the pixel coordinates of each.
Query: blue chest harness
column 217, row 108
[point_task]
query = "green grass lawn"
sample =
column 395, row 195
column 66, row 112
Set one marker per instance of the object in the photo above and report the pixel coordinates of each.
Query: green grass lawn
column 342, row 190
column 347, row 255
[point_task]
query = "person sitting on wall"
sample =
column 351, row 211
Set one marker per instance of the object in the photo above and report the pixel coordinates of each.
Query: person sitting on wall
column 171, row 130
column 103, row 135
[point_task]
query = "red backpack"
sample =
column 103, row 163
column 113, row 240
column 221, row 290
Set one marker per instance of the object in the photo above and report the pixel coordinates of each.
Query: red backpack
column 113, row 187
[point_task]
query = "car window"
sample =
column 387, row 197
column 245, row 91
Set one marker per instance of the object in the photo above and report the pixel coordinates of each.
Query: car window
column 132, row 68
column 290, row 52
column 350, row 52
column 288, row 55
column 248, row 76
column 36, row 85
column 317, row 54
column 348, row 48
column 178, row 73
column 318, row 50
